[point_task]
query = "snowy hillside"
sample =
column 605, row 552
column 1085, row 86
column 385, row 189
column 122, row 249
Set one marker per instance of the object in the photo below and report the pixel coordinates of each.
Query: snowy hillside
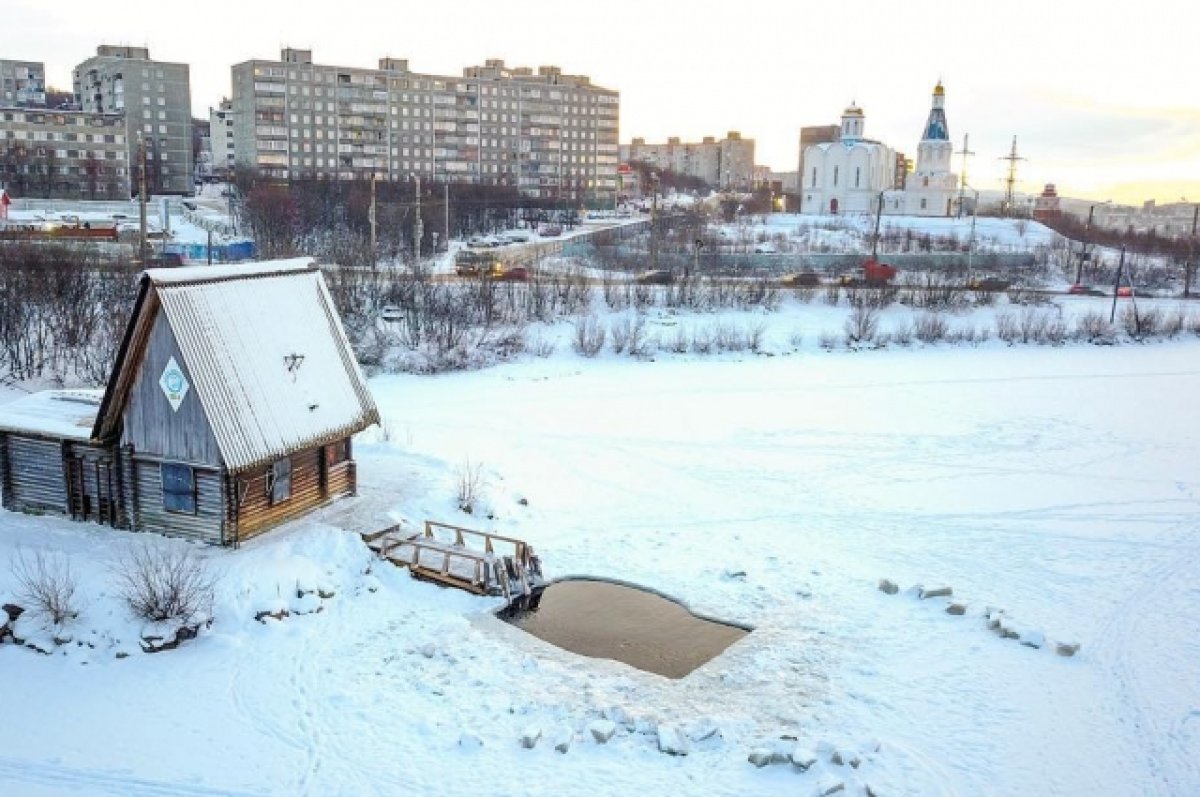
column 773, row 489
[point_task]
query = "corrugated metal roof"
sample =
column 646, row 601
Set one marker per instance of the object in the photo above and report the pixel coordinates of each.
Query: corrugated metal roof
column 65, row 414
column 268, row 359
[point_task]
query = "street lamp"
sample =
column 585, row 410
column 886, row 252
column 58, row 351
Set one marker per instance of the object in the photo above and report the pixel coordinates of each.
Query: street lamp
column 971, row 240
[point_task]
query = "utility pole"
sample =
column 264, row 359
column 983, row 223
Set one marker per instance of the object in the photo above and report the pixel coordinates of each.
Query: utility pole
column 142, row 248
column 1084, row 255
column 371, row 219
column 1010, row 182
column 1189, row 268
column 654, row 224
column 1117, row 287
column 962, row 178
column 875, row 237
column 446, row 202
column 418, row 228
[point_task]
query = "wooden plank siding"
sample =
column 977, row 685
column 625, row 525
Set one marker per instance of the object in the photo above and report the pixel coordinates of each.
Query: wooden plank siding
column 34, row 481
column 150, row 424
column 206, row 525
column 313, row 484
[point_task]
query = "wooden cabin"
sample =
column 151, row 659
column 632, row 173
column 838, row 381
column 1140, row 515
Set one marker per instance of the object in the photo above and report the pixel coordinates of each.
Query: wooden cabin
column 230, row 410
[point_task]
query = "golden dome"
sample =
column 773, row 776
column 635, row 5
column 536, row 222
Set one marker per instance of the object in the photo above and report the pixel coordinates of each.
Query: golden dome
column 852, row 110
column 938, row 91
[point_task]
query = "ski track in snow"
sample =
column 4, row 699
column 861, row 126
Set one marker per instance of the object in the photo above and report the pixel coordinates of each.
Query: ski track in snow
column 1141, row 624
column 100, row 782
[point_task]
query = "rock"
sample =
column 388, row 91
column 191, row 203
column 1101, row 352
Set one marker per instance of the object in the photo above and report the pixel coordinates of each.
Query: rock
column 730, row 575
column 469, row 741
column 802, row 758
column 936, row 592
column 760, row 757
column 428, row 650
column 870, row 791
column 602, row 730
column 277, row 614
column 523, row 501
column 325, row 593
column 1033, row 639
column 12, row 610
column 530, row 737
column 671, row 741
column 1066, row 648
column 122, row 654
column 563, row 740
column 830, row 786
column 889, row 587
column 956, row 609
column 914, row 591
column 702, row 731
column 617, row 715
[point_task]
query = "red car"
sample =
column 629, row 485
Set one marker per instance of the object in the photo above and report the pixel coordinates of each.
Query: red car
column 1079, row 289
column 514, row 274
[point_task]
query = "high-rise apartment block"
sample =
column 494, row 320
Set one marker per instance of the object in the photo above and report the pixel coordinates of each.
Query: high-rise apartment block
column 220, row 133
column 545, row 133
column 724, row 164
column 156, row 98
column 56, row 153
column 22, row 83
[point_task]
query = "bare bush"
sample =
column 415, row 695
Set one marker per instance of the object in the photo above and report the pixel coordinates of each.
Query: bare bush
column 827, row 341
column 730, row 337
column 1093, row 327
column 796, row 338
column 541, row 347
column 680, row 341
column 1143, row 324
column 158, row 583
column 618, row 334
column 1173, row 324
column 832, row 294
column 468, row 483
column 46, row 584
column 702, row 341
column 589, row 335
column 754, row 336
column 930, row 328
column 902, row 334
column 1007, row 328
column 862, row 327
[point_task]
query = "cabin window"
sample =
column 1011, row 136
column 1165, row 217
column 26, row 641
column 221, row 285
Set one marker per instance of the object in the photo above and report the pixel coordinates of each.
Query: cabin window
column 279, row 481
column 337, row 453
column 178, row 488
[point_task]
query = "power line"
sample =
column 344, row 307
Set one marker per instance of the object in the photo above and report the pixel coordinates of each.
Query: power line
column 1010, row 182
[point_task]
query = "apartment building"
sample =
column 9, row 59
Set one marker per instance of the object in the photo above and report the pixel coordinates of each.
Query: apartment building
column 220, row 132
column 156, row 99
column 724, row 164
column 547, row 133
column 63, row 154
column 22, row 83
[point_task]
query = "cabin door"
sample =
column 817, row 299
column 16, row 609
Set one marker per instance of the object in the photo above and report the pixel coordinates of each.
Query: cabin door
column 91, row 490
column 833, row 206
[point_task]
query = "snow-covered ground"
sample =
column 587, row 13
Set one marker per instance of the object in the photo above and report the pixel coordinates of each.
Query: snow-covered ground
column 1059, row 484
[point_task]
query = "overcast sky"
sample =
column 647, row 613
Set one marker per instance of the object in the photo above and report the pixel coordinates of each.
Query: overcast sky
column 1103, row 98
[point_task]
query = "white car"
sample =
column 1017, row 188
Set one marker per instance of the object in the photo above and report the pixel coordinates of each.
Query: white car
column 766, row 248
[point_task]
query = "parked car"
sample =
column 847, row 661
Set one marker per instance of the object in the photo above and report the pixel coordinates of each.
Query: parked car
column 989, row 284
column 391, row 313
column 513, row 274
column 804, row 279
column 1125, row 291
column 550, row 230
column 766, row 248
column 1079, row 289
column 515, row 236
column 657, row 276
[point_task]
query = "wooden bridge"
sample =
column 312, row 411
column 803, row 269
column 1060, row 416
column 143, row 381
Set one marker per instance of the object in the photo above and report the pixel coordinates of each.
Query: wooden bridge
column 476, row 561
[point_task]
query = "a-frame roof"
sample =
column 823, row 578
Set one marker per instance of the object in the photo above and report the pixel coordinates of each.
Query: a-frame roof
column 266, row 354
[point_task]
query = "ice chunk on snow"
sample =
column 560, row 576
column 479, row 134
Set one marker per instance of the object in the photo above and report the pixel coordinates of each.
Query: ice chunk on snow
column 602, row 730
column 671, row 741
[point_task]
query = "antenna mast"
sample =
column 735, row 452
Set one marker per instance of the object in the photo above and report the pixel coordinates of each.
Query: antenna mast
column 1010, row 182
column 962, row 178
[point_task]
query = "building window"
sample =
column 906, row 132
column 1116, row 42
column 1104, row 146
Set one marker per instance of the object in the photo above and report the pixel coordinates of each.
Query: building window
column 178, row 488
column 337, row 453
column 922, row 204
column 814, row 178
column 857, row 175
column 835, row 176
column 279, row 481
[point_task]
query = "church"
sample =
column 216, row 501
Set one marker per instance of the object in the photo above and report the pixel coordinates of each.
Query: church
column 854, row 173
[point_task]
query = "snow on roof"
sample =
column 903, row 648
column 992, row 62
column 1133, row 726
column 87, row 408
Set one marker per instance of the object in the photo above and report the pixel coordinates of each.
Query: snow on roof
column 174, row 276
column 268, row 358
column 67, row 414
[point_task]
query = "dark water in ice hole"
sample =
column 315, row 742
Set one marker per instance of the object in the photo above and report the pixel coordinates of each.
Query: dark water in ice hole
column 614, row 621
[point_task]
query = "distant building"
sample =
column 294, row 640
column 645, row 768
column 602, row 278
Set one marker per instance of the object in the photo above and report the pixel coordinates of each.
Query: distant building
column 854, row 174
column 849, row 174
column 548, row 134
column 63, row 154
column 22, row 83
column 1046, row 206
column 932, row 188
column 220, row 136
column 725, row 164
column 156, row 98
